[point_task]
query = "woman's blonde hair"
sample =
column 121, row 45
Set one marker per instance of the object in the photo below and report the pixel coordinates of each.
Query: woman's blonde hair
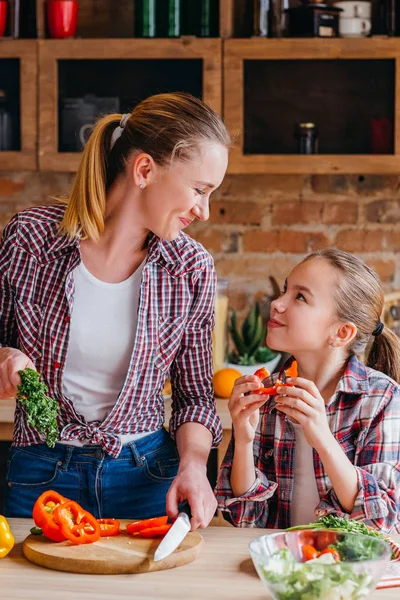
column 359, row 299
column 165, row 126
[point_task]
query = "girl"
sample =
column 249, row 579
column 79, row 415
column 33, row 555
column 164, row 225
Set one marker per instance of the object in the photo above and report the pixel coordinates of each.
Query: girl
column 331, row 443
column 105, row 297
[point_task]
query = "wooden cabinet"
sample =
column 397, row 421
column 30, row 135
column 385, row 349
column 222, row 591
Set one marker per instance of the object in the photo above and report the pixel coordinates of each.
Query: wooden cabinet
column 131, row 69
column 341, row 84
column 18, row 80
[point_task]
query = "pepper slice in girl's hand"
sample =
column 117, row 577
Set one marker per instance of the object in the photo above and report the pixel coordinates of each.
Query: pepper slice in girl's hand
column 137, row 526
column 77, row 525
column 6, row 537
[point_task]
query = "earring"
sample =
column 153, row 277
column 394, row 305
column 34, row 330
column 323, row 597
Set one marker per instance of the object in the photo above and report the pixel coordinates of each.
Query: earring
column 142, row 186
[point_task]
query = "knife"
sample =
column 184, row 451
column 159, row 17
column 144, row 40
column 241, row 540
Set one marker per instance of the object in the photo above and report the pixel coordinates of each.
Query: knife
column 173, row 537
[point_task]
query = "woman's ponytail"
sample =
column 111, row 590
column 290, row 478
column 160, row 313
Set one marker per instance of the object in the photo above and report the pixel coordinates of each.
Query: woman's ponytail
column 86, row 208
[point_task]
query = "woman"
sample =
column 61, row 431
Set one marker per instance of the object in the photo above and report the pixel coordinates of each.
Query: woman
column 105, row 297
column 329, row 443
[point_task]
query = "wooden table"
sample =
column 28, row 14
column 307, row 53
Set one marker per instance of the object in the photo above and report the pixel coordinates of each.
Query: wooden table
column 224, row 571
column 7, row 408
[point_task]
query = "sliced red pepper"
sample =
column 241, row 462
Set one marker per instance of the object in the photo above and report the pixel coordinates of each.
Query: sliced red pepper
column 45, row 505
column 43, row 515
column 152, row 532
column 78, row 525
column 109, row 527
column 292, row 371
column 137, row 526
column 309, row 552
column 333, row 551
column 262, row 373
column 270, row 391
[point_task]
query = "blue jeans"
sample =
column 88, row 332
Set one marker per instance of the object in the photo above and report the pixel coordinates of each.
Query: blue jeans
column 132, row 486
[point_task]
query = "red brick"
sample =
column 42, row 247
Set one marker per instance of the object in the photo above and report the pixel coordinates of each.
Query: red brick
column 216, row 240
column 302, row 241
column 336, row 213
column 9, row 187
column 237, row 213
column 330, row 184
column 292, row 213
column 250, row 269
column 393, row 241
column 383, row 211
column 260, row 241
column 359, row 240
column 259, row 187
column 385, row 268
column 366, row 185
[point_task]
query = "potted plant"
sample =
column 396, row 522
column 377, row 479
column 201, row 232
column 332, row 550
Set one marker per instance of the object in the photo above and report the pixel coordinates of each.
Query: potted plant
column 250, row 350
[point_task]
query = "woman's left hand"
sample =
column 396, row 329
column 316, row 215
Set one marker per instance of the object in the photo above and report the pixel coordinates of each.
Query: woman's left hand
column 305, row 404
column 192, row 485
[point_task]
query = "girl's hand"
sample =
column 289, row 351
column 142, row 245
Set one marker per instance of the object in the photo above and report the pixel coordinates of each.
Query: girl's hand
column 12, row 361
column 305, row 404
column 245, row 409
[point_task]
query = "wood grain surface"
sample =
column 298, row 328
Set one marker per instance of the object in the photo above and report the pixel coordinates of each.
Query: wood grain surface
column 123, row 553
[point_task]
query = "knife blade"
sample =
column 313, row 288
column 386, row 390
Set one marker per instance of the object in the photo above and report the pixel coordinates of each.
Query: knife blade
column 173, row 537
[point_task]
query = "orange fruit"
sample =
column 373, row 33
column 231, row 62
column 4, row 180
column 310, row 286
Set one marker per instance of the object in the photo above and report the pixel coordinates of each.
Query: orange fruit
column 223, row 382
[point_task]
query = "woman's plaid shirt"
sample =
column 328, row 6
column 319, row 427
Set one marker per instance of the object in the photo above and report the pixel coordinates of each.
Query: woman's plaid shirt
column 175, row 321
column 364, row 417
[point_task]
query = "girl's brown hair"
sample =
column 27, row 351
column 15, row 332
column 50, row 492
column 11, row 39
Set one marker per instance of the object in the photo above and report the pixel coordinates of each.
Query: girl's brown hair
column 359, row 299
column 166, row 126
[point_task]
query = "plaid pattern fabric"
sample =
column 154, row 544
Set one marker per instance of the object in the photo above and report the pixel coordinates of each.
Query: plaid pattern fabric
column 364, row 417
column 175, row 321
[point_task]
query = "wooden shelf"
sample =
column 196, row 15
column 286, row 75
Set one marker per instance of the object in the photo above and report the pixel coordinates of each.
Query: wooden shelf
column 26, row 52
column 237, row 51
column 209, row 51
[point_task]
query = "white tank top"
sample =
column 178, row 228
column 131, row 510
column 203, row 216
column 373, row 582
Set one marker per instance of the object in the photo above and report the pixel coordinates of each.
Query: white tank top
column 305, row 492
column 102, row 333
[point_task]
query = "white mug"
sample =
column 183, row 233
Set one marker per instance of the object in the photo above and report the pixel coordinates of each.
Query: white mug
column 354, row 27
column 356, row 9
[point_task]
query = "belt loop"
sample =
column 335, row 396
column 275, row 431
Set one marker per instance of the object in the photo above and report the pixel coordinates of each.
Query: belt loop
column 64, row 464
column 139, row 460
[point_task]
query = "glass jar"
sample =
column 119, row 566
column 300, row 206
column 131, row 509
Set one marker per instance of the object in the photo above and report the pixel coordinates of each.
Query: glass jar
column 220, row 333
column 307, row 138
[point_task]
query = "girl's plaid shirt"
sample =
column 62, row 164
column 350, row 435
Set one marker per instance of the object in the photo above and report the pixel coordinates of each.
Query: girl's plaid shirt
column 364, row 417
column 175, row 321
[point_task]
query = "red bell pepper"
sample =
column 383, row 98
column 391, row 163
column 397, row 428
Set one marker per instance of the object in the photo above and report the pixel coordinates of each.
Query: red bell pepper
column 152, row 532
column 77, row 525
column 262, row 373
column 137, row 526
column 109, row 527
column 271, row 391
column 43, row 515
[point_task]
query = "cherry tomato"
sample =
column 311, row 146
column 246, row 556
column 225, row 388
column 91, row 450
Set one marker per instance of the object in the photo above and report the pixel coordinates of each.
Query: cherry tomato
column 309, row 552
column 332, row 551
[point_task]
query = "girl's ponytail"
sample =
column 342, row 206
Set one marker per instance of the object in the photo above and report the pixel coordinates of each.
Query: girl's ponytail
column 384, row 354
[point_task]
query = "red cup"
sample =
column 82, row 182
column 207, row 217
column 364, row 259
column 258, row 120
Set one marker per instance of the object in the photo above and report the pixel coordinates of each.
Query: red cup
column 62, row 18
column 3, row 16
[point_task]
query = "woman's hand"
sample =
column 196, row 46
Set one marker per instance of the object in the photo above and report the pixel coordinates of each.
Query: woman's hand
column 11, row 361
column 191, row 485
column 244, row 410
column 305, row 404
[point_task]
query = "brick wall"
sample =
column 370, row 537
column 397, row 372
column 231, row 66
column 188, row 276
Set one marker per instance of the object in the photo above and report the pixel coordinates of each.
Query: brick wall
column 263, row 225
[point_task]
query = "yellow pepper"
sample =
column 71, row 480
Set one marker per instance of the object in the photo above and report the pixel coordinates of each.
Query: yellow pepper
column 6, row 538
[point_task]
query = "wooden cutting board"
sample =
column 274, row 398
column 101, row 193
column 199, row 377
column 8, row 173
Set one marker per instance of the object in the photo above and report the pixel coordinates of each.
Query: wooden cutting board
column 122, row 553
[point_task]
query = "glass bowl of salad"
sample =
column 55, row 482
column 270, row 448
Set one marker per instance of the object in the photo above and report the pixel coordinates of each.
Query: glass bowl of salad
column 319, row 564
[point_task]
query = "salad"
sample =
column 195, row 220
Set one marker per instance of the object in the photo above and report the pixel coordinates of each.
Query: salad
column 311, row 580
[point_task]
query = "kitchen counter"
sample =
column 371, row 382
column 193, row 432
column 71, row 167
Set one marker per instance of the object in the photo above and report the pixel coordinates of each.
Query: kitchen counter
column 223, row 571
